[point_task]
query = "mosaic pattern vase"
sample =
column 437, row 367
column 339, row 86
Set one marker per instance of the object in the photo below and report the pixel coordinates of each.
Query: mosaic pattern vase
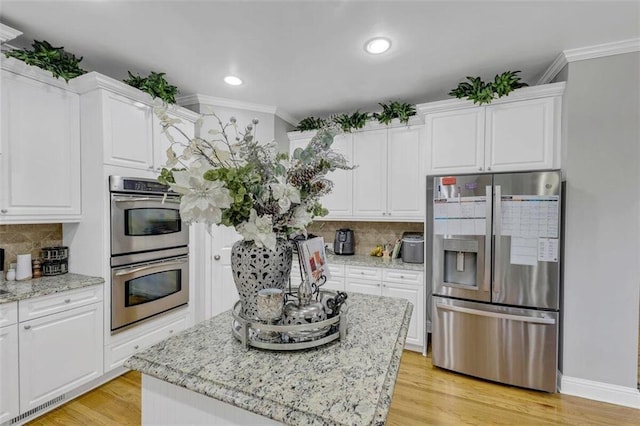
column 256, row 268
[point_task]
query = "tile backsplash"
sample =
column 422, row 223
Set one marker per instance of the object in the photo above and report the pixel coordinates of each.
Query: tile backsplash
column 22, row 239
column 367, row 234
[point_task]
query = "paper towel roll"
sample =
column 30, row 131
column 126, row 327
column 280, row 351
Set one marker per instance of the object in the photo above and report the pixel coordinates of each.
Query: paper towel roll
column 23, row 268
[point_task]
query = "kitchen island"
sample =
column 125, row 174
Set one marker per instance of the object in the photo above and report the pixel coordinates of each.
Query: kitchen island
column 204, row 375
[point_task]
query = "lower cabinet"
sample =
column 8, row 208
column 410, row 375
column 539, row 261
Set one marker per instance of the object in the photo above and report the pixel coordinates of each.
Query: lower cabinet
column 58, row 353
column 9, row 398
column 404, row 284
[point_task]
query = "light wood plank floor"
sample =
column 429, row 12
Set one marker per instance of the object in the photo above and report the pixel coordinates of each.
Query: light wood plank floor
column 424, row 395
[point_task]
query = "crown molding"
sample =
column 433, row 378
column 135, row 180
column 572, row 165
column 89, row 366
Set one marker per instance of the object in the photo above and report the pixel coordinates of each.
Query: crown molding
column 524, row 93
column 19, row 67
column 589, row 52
column 7, row 33
column 286, row 117
column 198, row 98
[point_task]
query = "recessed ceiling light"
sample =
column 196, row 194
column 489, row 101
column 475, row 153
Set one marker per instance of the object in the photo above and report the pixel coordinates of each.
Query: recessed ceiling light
column 377, row 45
column 232, row 80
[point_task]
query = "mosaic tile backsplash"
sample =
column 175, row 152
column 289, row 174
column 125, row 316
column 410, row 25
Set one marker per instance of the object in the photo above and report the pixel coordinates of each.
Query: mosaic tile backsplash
column 367, row 234
column 23, row 239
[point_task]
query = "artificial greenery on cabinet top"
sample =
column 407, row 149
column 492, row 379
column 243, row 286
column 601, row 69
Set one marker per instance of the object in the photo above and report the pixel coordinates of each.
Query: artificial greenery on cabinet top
column 154, row 84
column 480, row 92
column 56, row 60
column 357, row 120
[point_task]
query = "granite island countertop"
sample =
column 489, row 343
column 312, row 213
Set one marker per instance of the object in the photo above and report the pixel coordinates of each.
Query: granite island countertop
column 348, row 382
column 27, row 289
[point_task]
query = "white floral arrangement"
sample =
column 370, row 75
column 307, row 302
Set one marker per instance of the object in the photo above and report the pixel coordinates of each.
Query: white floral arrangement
column 233, row 180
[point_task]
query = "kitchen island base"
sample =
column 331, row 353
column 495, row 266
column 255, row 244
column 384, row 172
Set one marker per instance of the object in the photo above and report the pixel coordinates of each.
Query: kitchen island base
column 166, row 404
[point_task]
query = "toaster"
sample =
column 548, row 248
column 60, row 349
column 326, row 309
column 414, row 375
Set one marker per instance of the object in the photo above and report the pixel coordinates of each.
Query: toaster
column 344, row 242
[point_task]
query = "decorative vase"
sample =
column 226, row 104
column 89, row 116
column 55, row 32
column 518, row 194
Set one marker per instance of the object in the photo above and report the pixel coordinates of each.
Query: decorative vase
column 256, row 268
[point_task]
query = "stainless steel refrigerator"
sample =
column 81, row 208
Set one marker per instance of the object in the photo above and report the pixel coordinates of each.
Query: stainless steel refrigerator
column 495, row 275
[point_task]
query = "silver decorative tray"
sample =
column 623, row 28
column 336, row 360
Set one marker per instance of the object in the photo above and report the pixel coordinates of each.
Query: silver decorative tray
column 289, row 337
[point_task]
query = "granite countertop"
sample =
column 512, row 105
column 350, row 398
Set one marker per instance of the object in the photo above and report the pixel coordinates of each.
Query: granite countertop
column 27, row 289
column 373, row 262
column 348, row 382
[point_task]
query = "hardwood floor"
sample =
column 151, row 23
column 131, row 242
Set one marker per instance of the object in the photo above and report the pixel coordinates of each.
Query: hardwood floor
column 424, row 395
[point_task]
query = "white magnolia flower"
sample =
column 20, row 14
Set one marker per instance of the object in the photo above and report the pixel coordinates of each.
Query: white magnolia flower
column 285, row 194
column 258, row 229
column 172, row 160
column 202, row 200
column 300, row 218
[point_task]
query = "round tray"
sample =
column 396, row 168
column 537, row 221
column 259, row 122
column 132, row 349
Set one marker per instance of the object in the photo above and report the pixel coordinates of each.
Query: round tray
column 288, row 337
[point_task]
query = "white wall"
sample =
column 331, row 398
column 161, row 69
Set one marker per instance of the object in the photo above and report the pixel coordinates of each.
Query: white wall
column 602, row 233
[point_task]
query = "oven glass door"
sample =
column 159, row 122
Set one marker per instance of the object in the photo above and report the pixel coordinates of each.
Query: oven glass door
column 141, row 291
column 144, row 223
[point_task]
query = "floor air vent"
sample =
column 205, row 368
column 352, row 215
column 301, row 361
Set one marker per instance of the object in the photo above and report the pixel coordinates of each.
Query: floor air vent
column 38, row 408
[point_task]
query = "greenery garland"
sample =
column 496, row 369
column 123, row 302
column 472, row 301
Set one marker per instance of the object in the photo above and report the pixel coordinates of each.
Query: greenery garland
column 53, row 59
column 357, row 120
column 154, row 84
column 480, row 92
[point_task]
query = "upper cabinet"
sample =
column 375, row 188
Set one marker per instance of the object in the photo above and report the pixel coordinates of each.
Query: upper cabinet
column 40, row 147
column 120, row 120
column 388, row 181
column 517, row 132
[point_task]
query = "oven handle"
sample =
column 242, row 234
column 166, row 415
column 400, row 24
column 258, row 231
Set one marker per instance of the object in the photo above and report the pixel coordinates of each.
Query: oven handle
column 149, row 266
column 130, row 200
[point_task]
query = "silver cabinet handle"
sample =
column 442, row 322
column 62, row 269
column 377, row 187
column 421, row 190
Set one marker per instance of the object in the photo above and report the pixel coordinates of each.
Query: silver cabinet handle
column 498, row 315
column 479, row 169
column 401, row 276
column 4, row 211
column 170, row 331
column 136, row 347
column 27, row 327
column 488, row 168
column 216, row 257
column 67, row 300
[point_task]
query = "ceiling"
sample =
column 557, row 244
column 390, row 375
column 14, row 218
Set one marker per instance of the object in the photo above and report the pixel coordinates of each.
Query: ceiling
column 307, row 57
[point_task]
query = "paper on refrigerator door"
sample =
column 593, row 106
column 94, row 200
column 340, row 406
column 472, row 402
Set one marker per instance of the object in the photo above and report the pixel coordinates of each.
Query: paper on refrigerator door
column 524, row 251
column 460, row 216
column 530, row 215
column 547, row 249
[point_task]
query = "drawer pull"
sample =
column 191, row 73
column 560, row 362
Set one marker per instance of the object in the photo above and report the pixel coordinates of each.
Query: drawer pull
column 27, row 327
column 362, row 272
column 67, row 300
column 401, row 276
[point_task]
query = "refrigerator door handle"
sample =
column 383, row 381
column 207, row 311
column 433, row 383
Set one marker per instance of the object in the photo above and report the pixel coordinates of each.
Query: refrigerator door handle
column 497, row 228
column 487, row 240
column 521, row 318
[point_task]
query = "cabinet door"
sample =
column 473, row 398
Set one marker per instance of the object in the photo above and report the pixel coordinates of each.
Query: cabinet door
column 415, row 295
column 9, row 401
column 223, row 289
column 455, row 141
column 40, row 179
column 128, row 132
column 406, row 173
column 370, row 175
column 520, row 135
column 58, row 353
column 339, row 201
column 183, row 132
column 365, row 286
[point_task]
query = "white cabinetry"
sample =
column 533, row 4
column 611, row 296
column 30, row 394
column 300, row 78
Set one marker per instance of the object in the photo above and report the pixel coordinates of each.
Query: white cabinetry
column 40, row 170
column 388, row 181
column 119, row 120
column 61, row 350
column 9, row 384
column 405, row 284
column 517, row 132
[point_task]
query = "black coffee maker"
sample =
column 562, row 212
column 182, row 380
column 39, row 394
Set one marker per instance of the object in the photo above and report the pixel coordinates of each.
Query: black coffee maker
column 344, row 242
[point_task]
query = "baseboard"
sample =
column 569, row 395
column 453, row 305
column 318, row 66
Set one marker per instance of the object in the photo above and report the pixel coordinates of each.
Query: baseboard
column 605, row 392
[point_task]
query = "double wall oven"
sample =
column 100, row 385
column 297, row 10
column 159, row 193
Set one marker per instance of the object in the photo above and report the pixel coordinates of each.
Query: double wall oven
column 149, row 251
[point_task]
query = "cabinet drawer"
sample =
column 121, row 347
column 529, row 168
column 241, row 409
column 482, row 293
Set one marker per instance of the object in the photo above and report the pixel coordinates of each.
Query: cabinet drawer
column 46, row 305
column 403, row 276
column 357, row 272
column 118, row 353
column 8, row 313
column 336, row 270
